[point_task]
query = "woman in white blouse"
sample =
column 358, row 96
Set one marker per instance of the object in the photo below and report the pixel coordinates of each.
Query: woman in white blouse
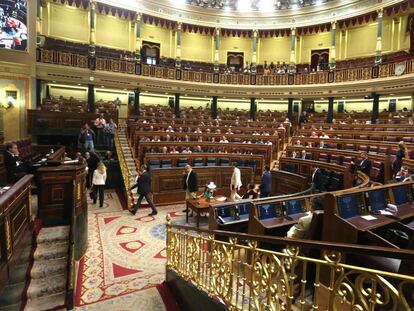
column 98, row 181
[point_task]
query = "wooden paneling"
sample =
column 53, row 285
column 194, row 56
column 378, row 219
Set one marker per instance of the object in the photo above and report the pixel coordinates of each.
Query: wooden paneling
column 15, row 225
column 167, row 183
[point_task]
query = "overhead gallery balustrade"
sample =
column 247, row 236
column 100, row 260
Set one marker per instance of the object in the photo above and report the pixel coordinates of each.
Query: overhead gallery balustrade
column 156, row 71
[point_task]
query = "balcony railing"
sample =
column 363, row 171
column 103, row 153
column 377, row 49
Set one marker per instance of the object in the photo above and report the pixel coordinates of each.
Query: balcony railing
column 286, row 275
column 156, row 71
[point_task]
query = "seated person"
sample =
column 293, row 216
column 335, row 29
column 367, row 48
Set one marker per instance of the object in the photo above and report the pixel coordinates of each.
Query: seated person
column 299, row 230
column 209, row 191
column 251, row 192
column 15, row 168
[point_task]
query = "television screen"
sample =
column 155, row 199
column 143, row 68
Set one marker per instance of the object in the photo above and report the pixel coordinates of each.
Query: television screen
column 348, row 206
column 244, row 208
column 295, row 207
column 223, row 212
column 401, row 195
column 267, row 211
column 377, row 200
column 13, row 24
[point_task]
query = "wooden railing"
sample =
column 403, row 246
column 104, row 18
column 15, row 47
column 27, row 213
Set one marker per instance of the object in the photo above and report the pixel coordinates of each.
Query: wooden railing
column 130, row 67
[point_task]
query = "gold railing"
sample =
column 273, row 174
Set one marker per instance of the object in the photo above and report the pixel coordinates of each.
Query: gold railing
column 128, row 67
column 124, row 170
column 244, row 276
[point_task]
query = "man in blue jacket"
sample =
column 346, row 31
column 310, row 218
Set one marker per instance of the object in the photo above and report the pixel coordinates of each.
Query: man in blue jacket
column 266, row 184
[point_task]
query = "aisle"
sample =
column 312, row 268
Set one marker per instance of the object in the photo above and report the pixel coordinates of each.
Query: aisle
column 125, row 259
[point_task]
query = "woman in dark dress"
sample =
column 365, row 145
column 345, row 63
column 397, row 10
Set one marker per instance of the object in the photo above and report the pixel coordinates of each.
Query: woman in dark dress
column 401, row 153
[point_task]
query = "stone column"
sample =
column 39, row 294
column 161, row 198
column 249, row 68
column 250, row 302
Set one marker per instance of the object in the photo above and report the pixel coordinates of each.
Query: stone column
column 178, row 50
column 254, row 55
column 332, row 58
column 253, row 108
column 137, row 92
column 216, row 49
column 92, row 37
column 292, row 49
column 214, row 107
column 138, row 38
column 38, row 22
column 329, row 117
column 375, row 108
column 290, row 109
column 177, row 105
column 378, row 48
column 91, row 98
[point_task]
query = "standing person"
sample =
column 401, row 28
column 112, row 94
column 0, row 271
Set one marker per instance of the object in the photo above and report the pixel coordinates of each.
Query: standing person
column 98, row 183
column 144, row 190
column 190, row 184
column 266, row 184
column 401, row 153
column 109, row 131
column 87, row 137
column 100, row 125
column 92, row 161
column 235, row 183
column 317, row 180
column 303, row 118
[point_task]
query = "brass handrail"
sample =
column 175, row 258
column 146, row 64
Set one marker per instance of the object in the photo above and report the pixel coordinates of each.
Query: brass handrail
column 124, row 169
column 243, row 275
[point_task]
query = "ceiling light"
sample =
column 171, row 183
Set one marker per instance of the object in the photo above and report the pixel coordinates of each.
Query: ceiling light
column 179, row 2
column 294, row 6
column 266, row 5
column 318, row 2
column 244, row 5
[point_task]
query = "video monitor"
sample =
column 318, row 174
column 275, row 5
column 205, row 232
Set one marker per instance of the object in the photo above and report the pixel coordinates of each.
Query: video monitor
column 267, row 211
column 348, row 205
column 224, row 212
column 13, row 24
column 377, row 200
column 402, row 195
column 244, row 208
column 295, row 207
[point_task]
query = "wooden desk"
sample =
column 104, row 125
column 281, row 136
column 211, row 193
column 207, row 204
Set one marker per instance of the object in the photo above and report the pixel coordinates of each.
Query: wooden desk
column 362, row 224
column 201, row 205
column 282, row 221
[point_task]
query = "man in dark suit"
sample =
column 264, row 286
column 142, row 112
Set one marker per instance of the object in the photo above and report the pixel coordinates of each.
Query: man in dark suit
column 266, row 184
column 190, row 183
column 143, row 186
column 14, row 167
column 365, row 164
column 317, row 180
column 303, row 118
column 92, row 160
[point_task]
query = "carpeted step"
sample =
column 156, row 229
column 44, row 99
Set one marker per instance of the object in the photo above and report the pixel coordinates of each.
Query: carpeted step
column 53, row 250
column 46, row 303
column 59, row 233
column 12, row 294
column 46, row 268
column 47, row 286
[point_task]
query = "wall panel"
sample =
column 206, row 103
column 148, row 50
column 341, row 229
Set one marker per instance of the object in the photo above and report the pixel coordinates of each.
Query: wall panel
column 112, row 32
column 362, row 41
column 197, row 47
column 68, row 23
column 276, row 49
column 159, row 35
column 235, row 44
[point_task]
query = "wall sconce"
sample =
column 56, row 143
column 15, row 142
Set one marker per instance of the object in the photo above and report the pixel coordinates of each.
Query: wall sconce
column 9, row 103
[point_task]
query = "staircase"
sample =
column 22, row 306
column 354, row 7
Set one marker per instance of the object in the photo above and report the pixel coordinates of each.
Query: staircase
column 39, row 278
column 126, row 160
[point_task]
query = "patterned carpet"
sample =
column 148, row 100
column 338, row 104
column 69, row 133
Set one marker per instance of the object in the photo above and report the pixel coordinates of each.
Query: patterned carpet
column 125, row 259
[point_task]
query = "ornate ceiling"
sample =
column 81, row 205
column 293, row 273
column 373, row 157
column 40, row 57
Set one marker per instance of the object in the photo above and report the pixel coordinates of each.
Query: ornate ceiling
column 253, row 14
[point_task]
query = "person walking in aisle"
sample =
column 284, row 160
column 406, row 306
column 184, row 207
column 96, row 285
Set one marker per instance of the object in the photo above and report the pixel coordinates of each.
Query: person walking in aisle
column 235, row 183
column 143, row 184
column 98, row 183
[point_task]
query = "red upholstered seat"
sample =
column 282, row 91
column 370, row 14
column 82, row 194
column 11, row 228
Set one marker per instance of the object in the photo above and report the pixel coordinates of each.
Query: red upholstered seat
column 347, row 160
column 349, row 147
column 373, row 149
column 391, row 138
column 363, row 148
column 337, row 159
column 383, row 150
